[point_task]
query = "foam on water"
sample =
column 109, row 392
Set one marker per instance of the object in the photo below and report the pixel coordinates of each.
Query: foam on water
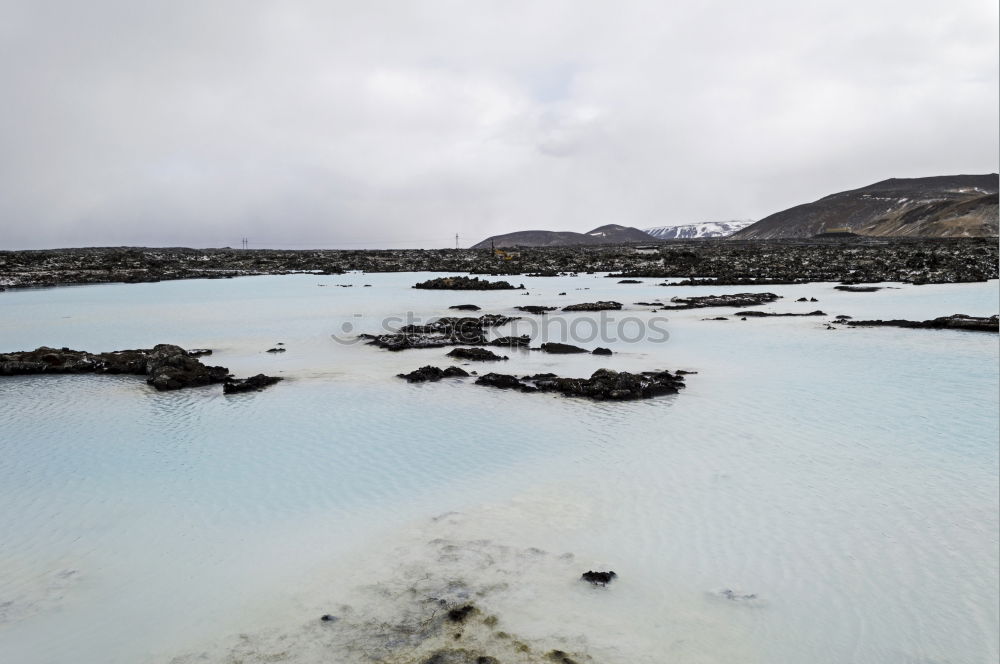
column 845, row 479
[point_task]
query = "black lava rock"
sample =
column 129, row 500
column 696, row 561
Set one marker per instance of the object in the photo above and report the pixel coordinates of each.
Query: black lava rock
column 561, row 349
column 598, row 578
column 476, row 355
column 253, row 383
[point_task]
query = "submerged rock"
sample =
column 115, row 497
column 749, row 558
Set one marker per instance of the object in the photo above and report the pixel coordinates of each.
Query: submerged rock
column 459, row 656
column 766, row 314
column 534, row 309
column 735, row 595
column 251, row 384
column 502, row 381
column 522, row 341
column 464, row 307
column 732, row 300
column 476, row 355
column 430, row 373
column 858, row 289
column 598, row 578
column 460, row 613
column 594, row 306
column 561, row 349
column 953, row 322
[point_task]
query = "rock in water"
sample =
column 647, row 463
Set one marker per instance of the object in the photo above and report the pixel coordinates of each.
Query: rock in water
column 460, row 613
column 767, row 314
column 465, row 283
column 429, row 373
column 561, row 349
column 858, row 289
column 953, row 322
column 598, row 578
column 447, row 331
column 604, row 384
column 522, row 341
column 253, row 383
column 499, row 380
column 476, row 354
column 732, row 300
column 169, row 367
column 464, row 307
column 594, row 306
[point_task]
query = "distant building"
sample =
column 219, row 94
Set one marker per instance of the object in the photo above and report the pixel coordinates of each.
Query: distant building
column 647, row 251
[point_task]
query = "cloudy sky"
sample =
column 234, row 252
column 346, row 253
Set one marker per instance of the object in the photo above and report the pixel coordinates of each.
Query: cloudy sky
column 368, row 123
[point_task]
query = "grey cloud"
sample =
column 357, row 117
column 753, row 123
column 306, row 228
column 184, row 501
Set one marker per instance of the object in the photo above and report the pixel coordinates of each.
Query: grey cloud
column 350, row 124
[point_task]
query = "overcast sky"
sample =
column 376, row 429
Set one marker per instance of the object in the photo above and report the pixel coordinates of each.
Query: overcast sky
column 350, row 124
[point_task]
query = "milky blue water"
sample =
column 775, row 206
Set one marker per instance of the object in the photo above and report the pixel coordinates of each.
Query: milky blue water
column 847, row 478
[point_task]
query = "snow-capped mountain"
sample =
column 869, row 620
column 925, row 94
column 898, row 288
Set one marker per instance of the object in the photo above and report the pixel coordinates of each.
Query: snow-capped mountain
column 706, row 229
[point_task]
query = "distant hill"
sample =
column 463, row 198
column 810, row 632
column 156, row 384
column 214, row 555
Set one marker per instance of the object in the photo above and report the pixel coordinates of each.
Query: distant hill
column 706, row 229
column 942, row 206
column 609, row 234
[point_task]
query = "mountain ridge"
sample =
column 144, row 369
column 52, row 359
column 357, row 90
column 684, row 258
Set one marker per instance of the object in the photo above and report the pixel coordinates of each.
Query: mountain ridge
column 936, row 206
column 607, row 234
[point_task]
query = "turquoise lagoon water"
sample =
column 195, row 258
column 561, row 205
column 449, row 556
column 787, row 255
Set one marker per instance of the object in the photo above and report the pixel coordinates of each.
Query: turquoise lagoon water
column 846, row 479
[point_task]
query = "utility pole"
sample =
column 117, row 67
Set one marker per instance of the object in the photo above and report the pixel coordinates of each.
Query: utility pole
column 456, row 240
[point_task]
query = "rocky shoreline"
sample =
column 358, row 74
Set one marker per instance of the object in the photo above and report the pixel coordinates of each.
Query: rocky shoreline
column 698, row 262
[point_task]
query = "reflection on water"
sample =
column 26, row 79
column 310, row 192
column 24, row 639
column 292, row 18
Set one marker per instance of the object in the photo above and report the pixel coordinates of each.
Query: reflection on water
column 847, row 479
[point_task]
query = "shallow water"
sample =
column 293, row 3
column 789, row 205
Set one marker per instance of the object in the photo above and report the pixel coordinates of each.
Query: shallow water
column 846, row 478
